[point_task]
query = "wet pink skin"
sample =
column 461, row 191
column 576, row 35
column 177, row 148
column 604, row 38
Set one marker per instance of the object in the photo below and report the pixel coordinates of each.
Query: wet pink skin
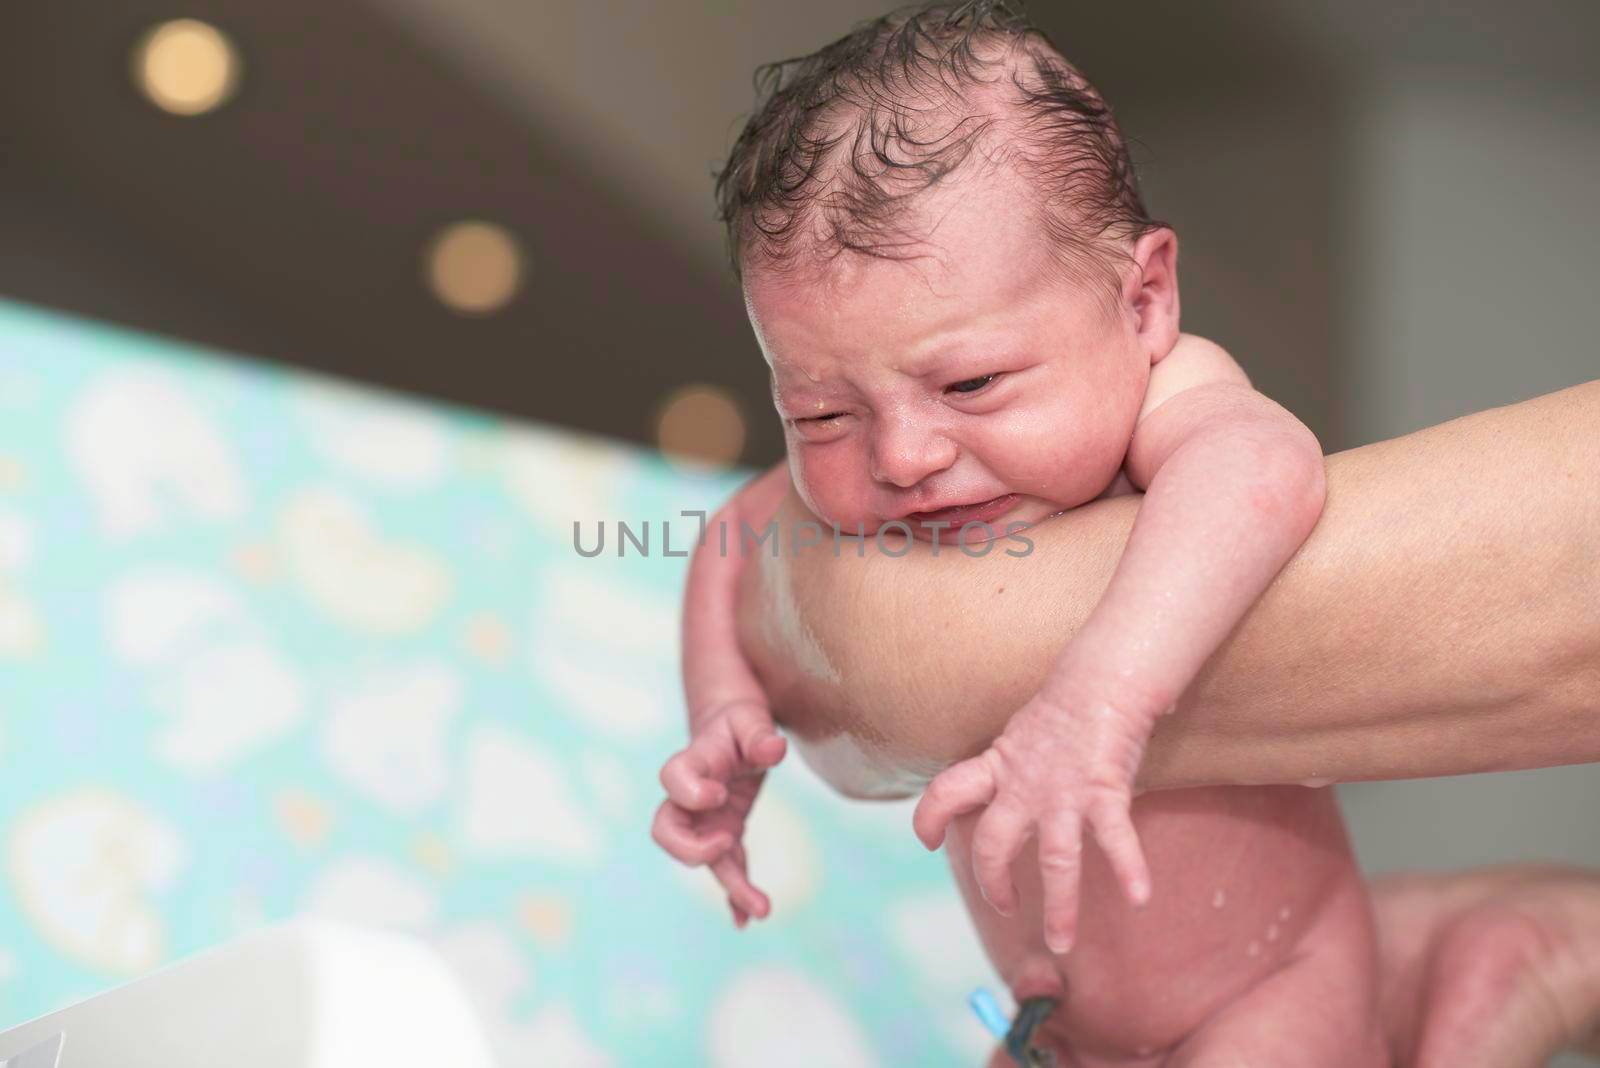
column 978, row 371
column 866, row 357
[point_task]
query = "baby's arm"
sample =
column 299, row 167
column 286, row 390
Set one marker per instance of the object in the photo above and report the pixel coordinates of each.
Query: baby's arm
column 712, row 783
column 716, row 675
column 1234, row 485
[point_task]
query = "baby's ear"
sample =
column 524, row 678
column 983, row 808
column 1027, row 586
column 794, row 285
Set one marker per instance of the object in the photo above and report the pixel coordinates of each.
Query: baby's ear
column 1152, row 291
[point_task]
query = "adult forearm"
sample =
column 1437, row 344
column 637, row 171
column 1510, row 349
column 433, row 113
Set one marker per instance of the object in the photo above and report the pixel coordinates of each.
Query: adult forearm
column 1444, row 617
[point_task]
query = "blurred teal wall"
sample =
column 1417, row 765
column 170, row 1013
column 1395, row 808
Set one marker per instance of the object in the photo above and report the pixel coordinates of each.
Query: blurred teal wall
column 271, row 644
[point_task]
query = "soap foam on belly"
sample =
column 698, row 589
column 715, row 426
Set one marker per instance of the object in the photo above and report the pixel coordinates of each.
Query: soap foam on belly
column 786, row 629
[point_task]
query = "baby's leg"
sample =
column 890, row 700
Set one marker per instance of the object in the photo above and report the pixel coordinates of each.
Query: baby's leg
column 1319, row 1010
column 1492, row 967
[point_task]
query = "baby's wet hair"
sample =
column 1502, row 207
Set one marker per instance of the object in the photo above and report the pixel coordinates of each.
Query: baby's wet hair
column 842, row 138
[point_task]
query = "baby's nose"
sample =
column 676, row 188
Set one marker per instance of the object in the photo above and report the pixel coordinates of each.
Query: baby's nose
column 903, row 456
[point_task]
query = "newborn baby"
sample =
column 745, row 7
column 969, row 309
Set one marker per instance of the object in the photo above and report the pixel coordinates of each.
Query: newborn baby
column 972, row 326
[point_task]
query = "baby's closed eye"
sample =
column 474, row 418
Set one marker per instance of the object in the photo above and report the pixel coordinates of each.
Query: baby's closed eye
column 821, row 428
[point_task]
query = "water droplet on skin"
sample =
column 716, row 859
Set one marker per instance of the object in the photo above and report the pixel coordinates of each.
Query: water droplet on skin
column 1253, row 949
column 1283, row 913
column 1272, row 932
column 1143, row 1051
column 1218, row 899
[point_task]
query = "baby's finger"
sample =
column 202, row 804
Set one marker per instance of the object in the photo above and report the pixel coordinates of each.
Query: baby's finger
column 996, row 840
column 673, row 830
column 730, row 872
column 1060, row 868
column 1113, row 829
column 957, row 789
column 688, row 780
column 759, row 742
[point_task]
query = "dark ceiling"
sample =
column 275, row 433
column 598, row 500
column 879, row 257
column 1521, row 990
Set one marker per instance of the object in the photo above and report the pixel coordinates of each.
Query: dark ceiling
column 290, row 225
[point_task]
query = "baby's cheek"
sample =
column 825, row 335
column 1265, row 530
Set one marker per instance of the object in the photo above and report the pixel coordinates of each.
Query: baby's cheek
column 827, row 483
column 1069, row 470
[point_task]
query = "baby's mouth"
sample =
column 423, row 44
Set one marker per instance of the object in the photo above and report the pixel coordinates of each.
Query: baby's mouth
column 957, row 515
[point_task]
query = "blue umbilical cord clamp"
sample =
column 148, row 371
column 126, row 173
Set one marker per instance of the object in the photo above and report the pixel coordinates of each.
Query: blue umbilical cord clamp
column 1017, row 1034
column 989, row 1013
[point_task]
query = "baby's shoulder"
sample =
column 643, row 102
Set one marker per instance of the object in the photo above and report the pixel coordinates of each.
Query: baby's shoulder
column 1193, row 361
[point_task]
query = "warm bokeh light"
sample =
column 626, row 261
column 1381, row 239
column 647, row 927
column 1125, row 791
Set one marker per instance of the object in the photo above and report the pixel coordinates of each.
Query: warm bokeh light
column 701, row 426
column 474, row 267
column 186, row 66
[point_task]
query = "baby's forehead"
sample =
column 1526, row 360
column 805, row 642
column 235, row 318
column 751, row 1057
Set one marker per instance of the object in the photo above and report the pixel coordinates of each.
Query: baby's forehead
column 957, row 237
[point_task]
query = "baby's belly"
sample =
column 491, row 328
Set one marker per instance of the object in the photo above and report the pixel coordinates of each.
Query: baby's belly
column 1240, row 876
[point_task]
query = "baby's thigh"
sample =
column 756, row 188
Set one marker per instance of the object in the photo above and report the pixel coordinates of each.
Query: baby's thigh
column 1318, row 1011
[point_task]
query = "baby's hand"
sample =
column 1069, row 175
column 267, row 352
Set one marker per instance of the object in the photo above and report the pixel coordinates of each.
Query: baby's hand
column 1058, row 761
column 711, row 787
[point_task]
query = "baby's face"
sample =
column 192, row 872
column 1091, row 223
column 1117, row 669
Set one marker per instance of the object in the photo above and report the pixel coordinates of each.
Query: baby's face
column 912, row 386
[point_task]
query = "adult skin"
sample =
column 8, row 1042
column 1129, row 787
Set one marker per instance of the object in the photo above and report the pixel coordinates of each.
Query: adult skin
column 1443, row 618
